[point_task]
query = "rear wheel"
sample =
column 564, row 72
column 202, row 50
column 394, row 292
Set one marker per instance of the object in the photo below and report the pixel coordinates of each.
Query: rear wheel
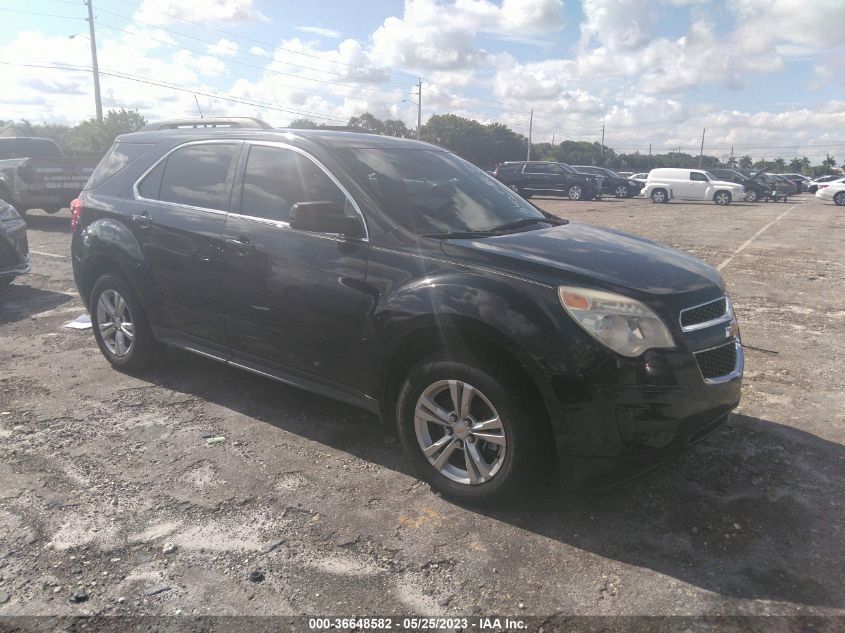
column 751, row 196
column 120, row 325
column 722, row 197
column 839, row 198
column 575, row 192
column 659, row 196
column 465, row 433
column 621, row 191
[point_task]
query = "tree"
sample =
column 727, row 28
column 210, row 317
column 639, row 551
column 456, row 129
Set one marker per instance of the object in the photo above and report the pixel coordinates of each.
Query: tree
column 484, row 145
column 368, row 123
column 395, row 127
column 95, row 136
column 829, row 163
column 746, row 162
column 779, row 164
column 304, row 124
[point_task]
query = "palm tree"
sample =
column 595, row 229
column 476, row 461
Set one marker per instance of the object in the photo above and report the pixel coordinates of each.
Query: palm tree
column 795, row 165
column 828, row 163
column 779, row 164
column 746, row 162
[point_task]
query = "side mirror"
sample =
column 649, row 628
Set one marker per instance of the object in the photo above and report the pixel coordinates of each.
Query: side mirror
column 324, row 217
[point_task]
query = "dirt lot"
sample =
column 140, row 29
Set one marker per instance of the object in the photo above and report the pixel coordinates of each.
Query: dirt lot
column 101, row 470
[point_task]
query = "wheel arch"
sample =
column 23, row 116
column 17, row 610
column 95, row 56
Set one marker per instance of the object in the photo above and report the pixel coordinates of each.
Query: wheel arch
column 106, row 246
column 457, row 338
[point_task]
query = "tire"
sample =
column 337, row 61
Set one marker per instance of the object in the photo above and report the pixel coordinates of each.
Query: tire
column 812, row 188
column 621, row 191
column 508, row 461
column 126, row 348
column 839, row 199
column 752, row 196
column 660, row 196
column 722, row 198
column 575, row 192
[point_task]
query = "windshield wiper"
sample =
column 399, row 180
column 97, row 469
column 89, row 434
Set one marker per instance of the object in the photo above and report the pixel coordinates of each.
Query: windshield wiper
column 459, row 235
column 524, row 222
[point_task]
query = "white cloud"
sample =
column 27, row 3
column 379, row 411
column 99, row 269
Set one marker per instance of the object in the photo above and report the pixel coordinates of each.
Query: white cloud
column 318, row 30
column 223, row 47
column 230, row 11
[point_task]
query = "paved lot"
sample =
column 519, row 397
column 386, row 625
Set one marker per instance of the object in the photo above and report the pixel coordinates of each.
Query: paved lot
column 99, row 470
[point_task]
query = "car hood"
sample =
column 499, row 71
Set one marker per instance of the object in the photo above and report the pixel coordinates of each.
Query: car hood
column 593, row 256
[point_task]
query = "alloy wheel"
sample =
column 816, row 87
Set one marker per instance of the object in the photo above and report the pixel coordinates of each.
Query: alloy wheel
column 460, row 432
column 658, row 196
column 621, row 191
column 722, row 198
column 575, row 192
column 115, row 323
column 839, row 198
column 751, row 196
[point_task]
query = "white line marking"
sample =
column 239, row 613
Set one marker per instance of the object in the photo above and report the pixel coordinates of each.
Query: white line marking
column 746, row 243
column 49, row 255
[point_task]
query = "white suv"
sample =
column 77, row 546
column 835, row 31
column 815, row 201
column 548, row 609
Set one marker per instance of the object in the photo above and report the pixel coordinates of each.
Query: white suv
column 690, row 184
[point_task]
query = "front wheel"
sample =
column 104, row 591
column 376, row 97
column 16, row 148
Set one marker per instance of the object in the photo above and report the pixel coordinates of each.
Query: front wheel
column 839, row 199
column 621, row 191
column 120, row 325
column 465, row 433
column 575, row 192
column 722, row 198
column 751, row 196
column 659, row 196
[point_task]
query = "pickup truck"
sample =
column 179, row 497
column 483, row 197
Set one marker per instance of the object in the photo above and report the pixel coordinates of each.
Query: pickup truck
column 35, row 175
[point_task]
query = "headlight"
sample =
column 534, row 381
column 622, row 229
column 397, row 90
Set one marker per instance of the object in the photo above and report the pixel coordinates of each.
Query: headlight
column 623, row 324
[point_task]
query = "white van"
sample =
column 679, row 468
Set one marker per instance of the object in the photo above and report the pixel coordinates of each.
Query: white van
column 663, row 185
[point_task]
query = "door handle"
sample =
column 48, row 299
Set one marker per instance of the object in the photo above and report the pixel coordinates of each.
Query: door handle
column 143, row 220
column 241, row 244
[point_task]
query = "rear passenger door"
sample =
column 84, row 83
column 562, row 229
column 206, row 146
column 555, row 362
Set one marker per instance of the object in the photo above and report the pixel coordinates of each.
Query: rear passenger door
column 294, row 300
column 541, row 177
column 178, row 215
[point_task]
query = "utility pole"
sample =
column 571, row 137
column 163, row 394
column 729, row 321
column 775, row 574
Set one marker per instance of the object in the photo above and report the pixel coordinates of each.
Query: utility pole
column 94, row 66
column 701, row 152
column 530, row 130
column 419, row 106
column 602, row 139
column 649, row 149
column 553, row 138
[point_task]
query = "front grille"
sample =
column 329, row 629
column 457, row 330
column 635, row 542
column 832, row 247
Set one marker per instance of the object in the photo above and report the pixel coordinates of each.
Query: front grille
column 718, row 361
column 703, row 313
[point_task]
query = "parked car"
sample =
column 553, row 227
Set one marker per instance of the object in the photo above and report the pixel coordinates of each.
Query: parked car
column 814, row 184
column 789, row 185
column 640, row 177
column 14, row 249
column 801, row 182
column 394, row 276
column 625, row 174
column 755, row 190
column 666, row 184
column 530, row 178
column 833, row 190
column 35, row 175
column 613, row 183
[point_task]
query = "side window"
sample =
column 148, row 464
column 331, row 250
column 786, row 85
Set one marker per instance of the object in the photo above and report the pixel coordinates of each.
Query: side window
column 197, row 175
column 538, row 168
column 276, row 179
column 118, row 157
column 694, row 175
column 149, row 186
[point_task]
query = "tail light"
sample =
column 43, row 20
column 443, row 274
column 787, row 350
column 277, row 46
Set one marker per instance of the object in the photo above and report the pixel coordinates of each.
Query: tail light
column 75, row 212
column 496, row 171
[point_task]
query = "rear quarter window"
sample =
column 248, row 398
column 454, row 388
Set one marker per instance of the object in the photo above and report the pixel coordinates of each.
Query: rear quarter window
column 115, row 160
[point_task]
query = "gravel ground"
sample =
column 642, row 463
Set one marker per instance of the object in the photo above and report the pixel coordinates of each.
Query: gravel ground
column 108, row 485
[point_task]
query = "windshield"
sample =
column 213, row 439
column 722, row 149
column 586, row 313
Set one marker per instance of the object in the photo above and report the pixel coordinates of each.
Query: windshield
column 434, row 192
column 711, row 176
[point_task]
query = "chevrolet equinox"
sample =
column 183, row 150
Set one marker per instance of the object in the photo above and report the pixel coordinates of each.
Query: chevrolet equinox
column 503, row 342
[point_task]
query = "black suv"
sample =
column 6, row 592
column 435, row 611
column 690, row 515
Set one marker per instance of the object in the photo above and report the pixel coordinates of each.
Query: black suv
column 613, row 184
column 392, row 275
column 755, row 190
column 530, row 178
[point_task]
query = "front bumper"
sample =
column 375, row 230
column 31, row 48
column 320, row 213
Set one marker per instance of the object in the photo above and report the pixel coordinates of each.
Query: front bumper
column 635, row 416
column 14, row 250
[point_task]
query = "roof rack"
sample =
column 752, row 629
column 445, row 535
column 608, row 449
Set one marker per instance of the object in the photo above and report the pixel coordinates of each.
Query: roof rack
column 244, row 123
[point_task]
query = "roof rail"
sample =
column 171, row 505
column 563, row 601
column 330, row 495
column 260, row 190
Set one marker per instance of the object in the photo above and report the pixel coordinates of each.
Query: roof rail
column 244, row 123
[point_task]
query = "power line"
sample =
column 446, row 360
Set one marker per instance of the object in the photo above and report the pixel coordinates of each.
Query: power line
column 213, row 95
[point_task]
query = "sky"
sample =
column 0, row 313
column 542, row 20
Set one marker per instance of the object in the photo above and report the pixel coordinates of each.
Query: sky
column 764, row 77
